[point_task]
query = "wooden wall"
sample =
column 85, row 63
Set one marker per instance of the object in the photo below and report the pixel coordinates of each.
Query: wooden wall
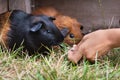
column 6, row 5
column 95, row 14
column 3, row 6
column 91, row 13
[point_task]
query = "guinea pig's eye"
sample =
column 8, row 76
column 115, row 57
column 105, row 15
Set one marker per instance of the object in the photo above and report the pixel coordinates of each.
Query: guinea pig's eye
column 71, row 35
column 48, row 31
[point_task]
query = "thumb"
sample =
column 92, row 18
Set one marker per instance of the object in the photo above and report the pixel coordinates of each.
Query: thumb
column 74, row 55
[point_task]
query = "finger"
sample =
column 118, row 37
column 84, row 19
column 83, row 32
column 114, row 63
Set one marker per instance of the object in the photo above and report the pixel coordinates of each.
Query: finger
column 76, row 52
column 74, row 47
column 73, row 54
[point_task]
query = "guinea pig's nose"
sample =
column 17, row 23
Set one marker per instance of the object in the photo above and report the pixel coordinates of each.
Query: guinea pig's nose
column 83, row 33
column 64, row 31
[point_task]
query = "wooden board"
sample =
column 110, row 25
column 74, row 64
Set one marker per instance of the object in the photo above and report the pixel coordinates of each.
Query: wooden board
column 24, row 5
column 3, row 6
column 93, row 14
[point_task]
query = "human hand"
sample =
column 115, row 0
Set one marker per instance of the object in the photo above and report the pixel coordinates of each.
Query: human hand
column 95, row 43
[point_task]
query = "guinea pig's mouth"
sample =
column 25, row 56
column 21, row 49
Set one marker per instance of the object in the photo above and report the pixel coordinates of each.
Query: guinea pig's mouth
column 54, row 43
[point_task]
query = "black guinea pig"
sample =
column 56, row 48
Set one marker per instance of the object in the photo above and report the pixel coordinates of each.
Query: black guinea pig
column 34, row 32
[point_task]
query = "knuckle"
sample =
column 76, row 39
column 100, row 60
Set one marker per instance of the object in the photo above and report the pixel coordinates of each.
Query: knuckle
column 86, row 36
column 88, row 53
column 90, row 57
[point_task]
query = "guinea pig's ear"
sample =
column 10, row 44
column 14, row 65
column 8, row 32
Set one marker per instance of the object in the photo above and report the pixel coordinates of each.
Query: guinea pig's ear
column 36, row 27
column 81, row 27
column 64, row 31
column 17, row 15
column 52, row 18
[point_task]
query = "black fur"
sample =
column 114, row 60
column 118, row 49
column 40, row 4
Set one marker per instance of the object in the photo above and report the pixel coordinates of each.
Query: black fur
column 35, row 32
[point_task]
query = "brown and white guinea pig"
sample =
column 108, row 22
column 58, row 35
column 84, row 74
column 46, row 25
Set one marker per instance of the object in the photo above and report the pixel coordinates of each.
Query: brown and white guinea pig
column 74, row 33
column 35, row 32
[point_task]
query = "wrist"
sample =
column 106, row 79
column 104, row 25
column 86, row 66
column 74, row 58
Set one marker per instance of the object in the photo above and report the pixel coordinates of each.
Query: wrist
column 113, row 37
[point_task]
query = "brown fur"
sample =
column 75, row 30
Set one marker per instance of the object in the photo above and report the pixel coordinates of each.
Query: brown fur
column 49, row 11
column 61, row 22
column 73, row 26
column 4, row 28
